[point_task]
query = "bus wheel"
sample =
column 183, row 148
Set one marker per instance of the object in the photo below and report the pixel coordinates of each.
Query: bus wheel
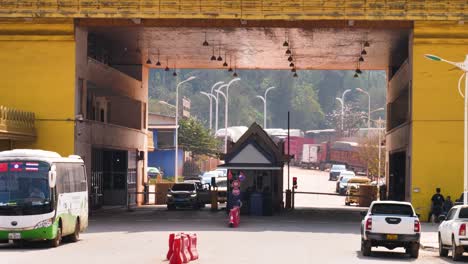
column 58, row 238
column 76, row 235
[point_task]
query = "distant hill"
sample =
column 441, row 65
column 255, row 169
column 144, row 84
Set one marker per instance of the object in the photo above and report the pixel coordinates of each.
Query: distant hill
column 309, row 98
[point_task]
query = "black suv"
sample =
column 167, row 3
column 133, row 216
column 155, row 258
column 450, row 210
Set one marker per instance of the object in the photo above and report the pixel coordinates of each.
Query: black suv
column 186, row 194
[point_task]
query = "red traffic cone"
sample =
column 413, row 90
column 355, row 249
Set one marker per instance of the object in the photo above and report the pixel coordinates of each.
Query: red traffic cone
column 184, row 250
column 171, row 246
column 193, row 246
column 176, row 257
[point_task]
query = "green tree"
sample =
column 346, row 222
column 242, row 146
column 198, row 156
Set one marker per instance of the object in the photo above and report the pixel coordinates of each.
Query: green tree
column 194, row 137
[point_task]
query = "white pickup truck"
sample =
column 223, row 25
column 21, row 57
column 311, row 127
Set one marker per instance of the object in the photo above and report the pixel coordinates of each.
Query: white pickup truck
column 390, row 224
column 452, row 232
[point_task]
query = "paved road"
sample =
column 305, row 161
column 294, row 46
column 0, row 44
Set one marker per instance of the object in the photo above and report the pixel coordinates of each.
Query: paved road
column 313, row 235
column 313, row 181
column 304, row 236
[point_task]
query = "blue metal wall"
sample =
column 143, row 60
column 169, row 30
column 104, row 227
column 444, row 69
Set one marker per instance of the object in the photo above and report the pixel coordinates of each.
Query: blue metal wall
column 165, row 159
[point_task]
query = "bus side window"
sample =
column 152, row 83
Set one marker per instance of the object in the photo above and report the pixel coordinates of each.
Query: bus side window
column 79, row 180
column 83, row 183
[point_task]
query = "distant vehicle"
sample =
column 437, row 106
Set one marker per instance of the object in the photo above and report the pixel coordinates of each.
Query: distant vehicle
column 452, row 232
column 43, row 196
column 153, row 172
column 187, row 194
column 296, row 143
column 342, row 183
column 205, row 178
column 222, row 172
column 390, row 224
column 353, row 189
column 310, row 156
column 221, row 183
column 335, row 171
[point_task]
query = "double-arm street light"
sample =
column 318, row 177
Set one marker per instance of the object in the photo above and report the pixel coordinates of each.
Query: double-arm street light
column 211, row 97
column 211, row 108
column 225, row 119
column 369, row 111
column 342, row 101
column 264, row 99
column 177, row 127
column 226, row 108
column 216, row 101
column 464, row 67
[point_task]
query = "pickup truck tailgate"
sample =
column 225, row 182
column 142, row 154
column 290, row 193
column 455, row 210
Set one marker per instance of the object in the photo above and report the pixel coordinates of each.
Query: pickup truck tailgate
column 393, row 224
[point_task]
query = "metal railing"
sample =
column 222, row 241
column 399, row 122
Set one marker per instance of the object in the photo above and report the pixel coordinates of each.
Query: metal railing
column 240, row 9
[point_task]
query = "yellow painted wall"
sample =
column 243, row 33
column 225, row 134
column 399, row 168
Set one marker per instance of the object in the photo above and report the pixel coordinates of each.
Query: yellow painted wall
column 437, row 122
column 37, row 74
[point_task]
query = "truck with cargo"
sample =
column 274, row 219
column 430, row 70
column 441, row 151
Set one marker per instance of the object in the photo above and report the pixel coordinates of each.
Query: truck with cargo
column 310, row 156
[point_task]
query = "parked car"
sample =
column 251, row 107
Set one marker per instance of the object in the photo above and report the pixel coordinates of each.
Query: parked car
column 353, row 189
column 205, row 178
column 187, row 194
column 342, row 183
column 335, row 171
column 390, row 224
column 153, row 172
column 452, row 232
column 222, row 172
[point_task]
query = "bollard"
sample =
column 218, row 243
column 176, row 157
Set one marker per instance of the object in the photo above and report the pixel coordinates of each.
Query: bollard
column 234, row 217
column 288, row 199
column 214, row 200
column 171, row 246
column 193, row 246
column 184, row 250
column 176, row 257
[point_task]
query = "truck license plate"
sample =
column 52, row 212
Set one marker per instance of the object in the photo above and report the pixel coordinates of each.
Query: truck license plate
column 14, row 236
column 392, row 237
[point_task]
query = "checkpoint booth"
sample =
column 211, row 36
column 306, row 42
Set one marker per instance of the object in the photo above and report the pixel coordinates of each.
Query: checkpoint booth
column 255, row 173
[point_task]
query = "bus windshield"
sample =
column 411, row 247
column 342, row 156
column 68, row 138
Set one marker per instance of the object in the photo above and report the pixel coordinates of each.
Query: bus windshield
column 24, row 184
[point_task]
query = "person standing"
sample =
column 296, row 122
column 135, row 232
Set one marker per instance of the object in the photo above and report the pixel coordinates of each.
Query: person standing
column 437, row 205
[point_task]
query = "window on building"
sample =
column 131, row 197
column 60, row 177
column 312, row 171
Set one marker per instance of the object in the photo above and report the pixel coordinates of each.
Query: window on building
column 165, row 139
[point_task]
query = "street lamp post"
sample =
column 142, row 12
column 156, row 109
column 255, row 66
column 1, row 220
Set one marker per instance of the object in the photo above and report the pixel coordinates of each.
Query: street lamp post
column 342, row 111
column 379, row 123
column 368, row 108
column 225, row 119
column 177, row 127
column 216, row 100
column 264, row 99
column 464, row 67
column 211, row 108
column 342, row 101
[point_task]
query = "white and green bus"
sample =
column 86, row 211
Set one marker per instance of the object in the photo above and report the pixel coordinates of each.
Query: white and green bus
column 43, row 196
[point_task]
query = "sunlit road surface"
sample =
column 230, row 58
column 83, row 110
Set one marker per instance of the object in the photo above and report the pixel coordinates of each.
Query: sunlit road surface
column 313, row 181
column 306, row 235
